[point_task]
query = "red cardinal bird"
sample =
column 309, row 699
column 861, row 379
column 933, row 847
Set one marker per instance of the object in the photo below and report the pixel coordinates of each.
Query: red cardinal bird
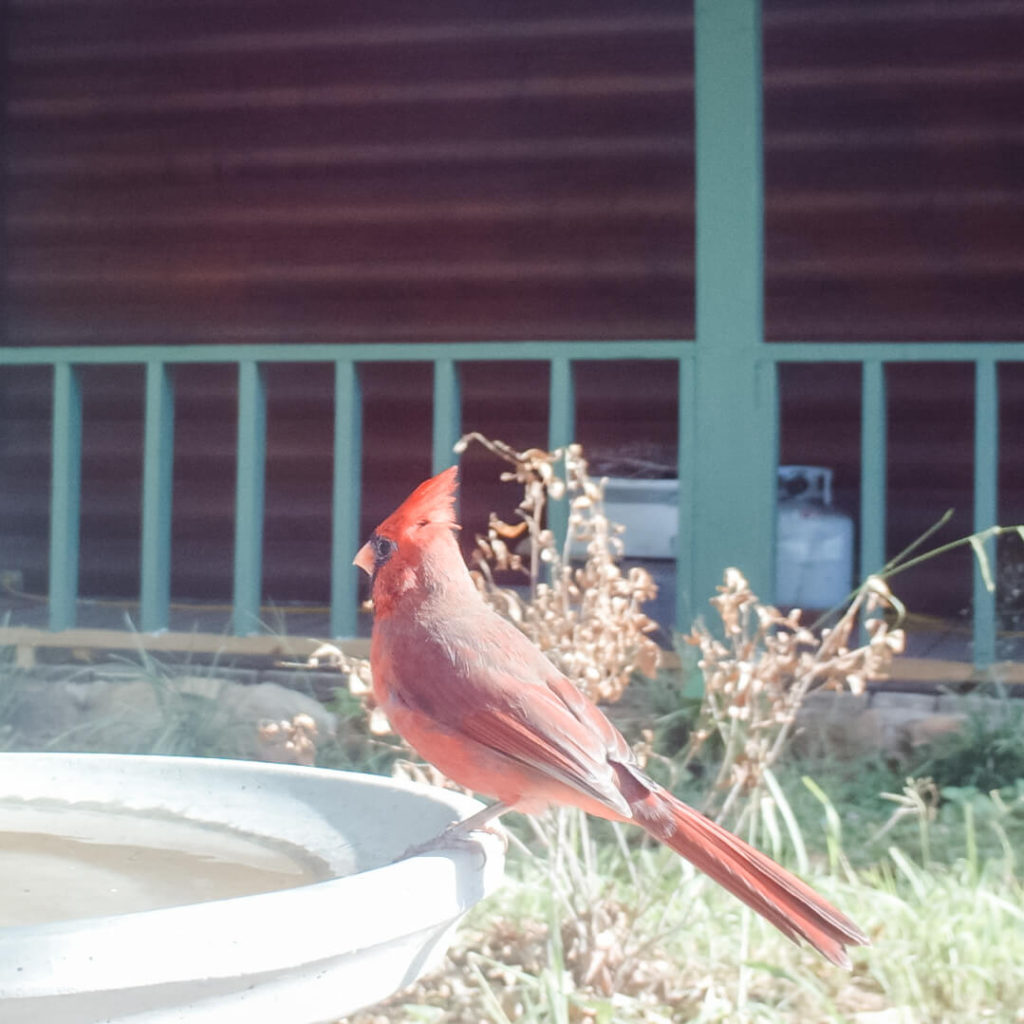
column 477, row 699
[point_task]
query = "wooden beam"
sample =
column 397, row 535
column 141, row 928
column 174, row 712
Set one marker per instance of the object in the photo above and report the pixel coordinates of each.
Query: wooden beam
column 26, row 640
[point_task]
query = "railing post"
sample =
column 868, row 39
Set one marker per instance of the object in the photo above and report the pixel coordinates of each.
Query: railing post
column 986, row 503
column 447, row 425
column 736, row 448
column 249, row 497
column 347, row 494
column 65, row 495
column 561, row 431
column 157, row 496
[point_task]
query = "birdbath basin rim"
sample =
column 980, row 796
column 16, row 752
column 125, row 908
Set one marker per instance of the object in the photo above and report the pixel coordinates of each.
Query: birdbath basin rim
column 310, row 952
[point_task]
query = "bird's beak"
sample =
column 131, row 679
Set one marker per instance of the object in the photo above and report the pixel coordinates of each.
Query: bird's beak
column 365, row 559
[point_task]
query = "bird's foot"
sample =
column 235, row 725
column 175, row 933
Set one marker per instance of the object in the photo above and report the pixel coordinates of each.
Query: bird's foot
column 458, row 837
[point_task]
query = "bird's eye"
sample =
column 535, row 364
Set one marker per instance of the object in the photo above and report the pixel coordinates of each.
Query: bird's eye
column 383, row 549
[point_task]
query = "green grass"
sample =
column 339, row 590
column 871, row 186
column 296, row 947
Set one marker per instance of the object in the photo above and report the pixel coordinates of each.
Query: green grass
column 988, row 752
column 598, row 924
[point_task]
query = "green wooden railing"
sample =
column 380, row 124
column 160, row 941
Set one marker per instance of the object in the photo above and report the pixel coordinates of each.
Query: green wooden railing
column 728, row 394
column 716, row 541
column 252, row 363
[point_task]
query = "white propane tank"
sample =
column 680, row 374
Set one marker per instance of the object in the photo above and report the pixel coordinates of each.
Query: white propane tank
column 814, row 544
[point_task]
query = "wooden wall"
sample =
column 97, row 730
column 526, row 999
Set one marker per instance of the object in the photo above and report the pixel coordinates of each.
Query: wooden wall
column 239, row 170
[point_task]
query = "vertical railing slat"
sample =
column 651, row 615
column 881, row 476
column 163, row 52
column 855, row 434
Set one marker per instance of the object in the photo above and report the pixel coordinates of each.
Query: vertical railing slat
column 249, row 497
column 561, row 431
column 986, row 503
column 684, row 610
column 346, row 501
column 561, row 404
column 873, row 444
column 157, row 496
column 447, row 424
column 65, row 495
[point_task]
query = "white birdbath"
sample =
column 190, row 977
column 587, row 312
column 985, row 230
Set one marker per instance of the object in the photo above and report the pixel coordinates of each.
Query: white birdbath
column 157, row 889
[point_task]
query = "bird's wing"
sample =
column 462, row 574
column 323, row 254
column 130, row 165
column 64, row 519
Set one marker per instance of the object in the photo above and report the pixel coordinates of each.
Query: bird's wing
column 491, row 684
column 546, row 737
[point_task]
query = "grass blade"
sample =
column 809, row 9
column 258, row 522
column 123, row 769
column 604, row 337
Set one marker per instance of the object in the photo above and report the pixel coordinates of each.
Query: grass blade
column 977, row 542
column 792, row 825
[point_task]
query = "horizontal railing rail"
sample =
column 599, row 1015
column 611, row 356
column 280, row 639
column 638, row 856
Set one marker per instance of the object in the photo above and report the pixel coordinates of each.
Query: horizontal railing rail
column 447, row 359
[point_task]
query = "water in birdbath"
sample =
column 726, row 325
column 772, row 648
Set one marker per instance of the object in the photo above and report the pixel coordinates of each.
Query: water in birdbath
column 61, row 861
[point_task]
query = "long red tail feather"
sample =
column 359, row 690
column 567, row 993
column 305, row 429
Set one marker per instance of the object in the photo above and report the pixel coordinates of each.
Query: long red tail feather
column 774, row 893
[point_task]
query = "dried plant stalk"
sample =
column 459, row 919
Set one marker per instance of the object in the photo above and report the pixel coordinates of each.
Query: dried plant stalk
column 756, row 678
column 588, row 618
column 289, row 741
